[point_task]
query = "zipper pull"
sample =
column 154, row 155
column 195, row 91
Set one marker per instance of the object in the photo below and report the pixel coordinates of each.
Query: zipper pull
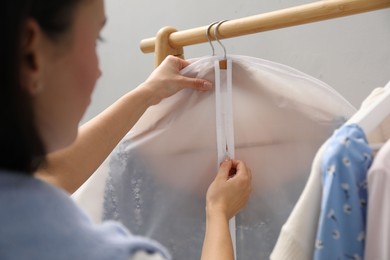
column 227, row 155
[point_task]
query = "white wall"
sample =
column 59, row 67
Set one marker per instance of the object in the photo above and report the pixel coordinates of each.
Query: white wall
column 351, row 54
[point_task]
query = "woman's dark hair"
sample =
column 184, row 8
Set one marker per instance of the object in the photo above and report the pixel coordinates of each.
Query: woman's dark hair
column 22, row 149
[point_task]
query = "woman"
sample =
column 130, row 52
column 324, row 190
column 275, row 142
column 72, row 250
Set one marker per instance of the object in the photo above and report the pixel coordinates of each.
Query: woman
column 49, row 71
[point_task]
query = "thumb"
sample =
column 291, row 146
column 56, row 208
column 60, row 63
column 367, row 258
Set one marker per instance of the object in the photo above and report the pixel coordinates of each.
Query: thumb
column 197, row 84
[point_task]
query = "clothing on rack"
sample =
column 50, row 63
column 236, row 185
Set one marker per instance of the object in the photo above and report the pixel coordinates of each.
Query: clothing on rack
column 381, row 133
column 378, row 212
column 40, row 221
column 341, row 229
column 157, row 177
column 297, row 236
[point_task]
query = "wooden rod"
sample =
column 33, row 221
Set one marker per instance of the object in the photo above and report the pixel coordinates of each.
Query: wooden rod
column 303, row 14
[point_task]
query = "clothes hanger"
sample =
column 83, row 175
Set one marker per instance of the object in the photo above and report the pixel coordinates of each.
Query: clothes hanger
column 374, row 114
column 223, row 62
column 209, row 38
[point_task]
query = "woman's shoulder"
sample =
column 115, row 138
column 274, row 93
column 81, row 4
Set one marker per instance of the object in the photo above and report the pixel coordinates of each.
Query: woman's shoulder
column 31, row 198
column 40, row 221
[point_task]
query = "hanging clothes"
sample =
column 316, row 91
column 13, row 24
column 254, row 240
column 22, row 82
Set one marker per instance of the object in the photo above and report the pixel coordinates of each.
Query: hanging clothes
column 157, row 177
column 378, row 215
column 341, row 230
column 297, row 236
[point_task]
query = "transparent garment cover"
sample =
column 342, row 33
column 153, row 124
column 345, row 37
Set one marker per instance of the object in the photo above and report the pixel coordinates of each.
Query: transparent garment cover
column 157, row 177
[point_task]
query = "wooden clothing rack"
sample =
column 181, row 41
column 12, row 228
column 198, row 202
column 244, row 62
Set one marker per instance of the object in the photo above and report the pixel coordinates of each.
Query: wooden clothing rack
column 169, row 41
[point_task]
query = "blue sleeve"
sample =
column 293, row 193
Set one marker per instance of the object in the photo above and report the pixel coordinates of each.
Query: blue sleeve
column 341, row 229
column 40, row 221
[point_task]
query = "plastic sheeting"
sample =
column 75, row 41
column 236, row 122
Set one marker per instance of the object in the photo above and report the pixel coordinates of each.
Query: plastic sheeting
column 156, row 179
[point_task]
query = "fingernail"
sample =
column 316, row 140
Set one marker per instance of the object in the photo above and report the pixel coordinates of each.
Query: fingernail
column 207, row 85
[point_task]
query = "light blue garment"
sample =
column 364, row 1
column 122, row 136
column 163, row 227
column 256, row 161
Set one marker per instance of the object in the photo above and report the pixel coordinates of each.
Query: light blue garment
column 39, row 221
column 341, row 230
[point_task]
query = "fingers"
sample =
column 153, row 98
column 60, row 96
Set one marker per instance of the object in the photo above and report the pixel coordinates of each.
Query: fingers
column 176, row 61
column 242, row 168
column 186, row 82
column 230, row 194
column 181, row 63
column 243, row 175
column 224, row 169
column 197, row 84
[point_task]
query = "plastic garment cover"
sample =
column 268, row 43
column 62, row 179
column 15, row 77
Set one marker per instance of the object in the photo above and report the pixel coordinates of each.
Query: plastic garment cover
column 157, row 177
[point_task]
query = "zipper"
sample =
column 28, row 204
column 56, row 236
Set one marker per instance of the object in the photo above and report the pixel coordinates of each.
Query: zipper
column 224, row 124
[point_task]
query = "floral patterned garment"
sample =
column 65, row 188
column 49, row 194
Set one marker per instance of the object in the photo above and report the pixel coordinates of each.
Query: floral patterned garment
column 341, row 229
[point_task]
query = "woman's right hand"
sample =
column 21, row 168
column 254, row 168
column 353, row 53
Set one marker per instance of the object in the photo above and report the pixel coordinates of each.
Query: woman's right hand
column 229, row 194
column 166, row 80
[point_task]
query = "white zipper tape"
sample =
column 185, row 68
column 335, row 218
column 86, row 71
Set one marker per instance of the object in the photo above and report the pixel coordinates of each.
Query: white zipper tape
column 224, row 124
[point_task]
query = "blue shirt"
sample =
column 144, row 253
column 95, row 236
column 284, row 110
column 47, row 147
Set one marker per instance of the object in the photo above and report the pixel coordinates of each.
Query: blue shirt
column 39, row 221
column 341, row 230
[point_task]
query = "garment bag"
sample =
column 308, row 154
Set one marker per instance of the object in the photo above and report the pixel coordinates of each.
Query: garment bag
column 157, row 177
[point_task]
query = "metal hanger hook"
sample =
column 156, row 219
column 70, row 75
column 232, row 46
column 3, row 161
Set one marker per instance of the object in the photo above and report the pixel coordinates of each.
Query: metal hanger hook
column 216, row 37
column 208, row 37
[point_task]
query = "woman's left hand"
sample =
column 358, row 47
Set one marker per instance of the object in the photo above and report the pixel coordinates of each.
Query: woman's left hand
column 166, row 80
